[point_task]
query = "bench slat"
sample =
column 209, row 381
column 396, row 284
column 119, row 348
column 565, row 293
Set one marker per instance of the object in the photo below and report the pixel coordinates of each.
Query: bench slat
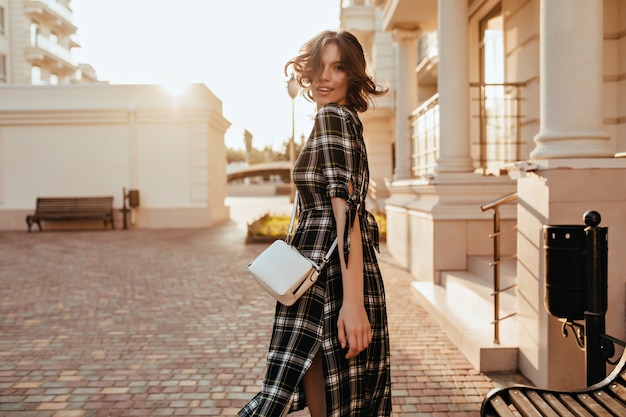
column 539, row 403
column 557, row 405
column 593, row 406
column 618, row 390
column 78, row 216
column 52, row 210
column 610, row 403
column 523, row 404
column 574, row 406
column 501, row 408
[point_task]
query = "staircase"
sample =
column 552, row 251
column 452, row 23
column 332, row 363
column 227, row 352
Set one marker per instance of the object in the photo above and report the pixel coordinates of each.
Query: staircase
column 463, row 307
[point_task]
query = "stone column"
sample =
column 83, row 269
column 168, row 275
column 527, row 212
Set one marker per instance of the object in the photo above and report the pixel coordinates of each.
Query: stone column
column 131, row 108
column 571, row 81
column 406, row 98
column 454, row 97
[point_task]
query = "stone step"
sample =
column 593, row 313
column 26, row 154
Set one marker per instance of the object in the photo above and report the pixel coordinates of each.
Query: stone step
column 476, row 293
column 463, row 307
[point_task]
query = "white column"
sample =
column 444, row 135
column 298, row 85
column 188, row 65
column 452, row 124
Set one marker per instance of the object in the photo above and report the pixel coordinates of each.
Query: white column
column 571, row 81
column 131, row 108
column 406, row 98
column 454, row 97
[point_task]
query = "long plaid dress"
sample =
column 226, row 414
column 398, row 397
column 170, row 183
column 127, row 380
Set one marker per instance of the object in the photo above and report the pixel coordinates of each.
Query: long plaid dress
column 333, row 156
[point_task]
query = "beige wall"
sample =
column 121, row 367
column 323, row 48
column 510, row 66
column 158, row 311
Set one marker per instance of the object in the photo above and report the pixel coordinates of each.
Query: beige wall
column 80, row 140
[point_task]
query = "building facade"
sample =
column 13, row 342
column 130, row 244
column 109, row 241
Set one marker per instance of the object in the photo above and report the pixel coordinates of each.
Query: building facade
column 492, row 101
column 36, row 42
column 64, row 133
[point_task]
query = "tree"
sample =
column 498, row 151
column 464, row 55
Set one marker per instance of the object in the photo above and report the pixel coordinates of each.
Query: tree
column 247, row 140
column 235, row 155
column 252, row 155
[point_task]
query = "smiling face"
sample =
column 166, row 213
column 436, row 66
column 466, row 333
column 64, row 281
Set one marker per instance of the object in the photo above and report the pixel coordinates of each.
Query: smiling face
column 330, row 82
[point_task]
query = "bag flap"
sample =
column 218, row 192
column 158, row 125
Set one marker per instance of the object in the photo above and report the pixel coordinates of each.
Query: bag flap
column 281, row 267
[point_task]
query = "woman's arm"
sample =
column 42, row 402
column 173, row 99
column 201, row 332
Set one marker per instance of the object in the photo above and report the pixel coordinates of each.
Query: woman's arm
column 353, row 324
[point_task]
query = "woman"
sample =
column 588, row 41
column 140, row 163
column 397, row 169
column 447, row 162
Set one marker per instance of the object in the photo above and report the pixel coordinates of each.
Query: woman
column 330, row 350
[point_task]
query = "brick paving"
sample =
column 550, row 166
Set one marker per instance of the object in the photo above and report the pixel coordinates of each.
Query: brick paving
column 168, row 323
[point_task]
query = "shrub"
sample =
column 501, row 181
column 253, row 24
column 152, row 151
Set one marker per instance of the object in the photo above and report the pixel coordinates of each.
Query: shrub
column 269, row 227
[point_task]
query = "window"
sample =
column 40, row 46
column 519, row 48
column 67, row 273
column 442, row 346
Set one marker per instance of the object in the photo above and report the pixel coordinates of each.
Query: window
column 35, row 75
column 1, row 19
column 3, row 68
column 492, row 48
column 34, row 32
column 499, row 122
column 54, row 79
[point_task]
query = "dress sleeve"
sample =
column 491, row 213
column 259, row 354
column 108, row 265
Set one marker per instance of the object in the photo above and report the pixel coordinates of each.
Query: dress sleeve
column 336, row 150
column 339, row 161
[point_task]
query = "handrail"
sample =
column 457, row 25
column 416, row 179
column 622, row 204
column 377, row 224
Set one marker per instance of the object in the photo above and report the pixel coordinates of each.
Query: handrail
column 499, row 201
column 497, row 260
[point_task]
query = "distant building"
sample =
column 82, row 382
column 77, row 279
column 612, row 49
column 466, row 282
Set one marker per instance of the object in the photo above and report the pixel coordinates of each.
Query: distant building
column 63, row 133
column 36, row 42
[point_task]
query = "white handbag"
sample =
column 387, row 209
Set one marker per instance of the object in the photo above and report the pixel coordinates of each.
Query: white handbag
column 283, row 271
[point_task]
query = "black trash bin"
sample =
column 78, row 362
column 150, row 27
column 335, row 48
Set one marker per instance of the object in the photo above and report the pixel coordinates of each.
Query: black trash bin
column 133, row 198
column 566, row 271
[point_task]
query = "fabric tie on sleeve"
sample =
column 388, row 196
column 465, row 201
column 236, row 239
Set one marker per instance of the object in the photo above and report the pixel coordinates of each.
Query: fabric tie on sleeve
column 369, row 226
column 372, row 232
column 351, row 214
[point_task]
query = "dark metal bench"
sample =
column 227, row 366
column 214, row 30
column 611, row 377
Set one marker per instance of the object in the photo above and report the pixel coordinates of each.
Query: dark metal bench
column 72, row 209
column 606, row 398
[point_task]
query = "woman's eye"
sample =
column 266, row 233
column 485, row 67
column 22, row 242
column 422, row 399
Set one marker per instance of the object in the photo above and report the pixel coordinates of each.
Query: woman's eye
column 340, row 68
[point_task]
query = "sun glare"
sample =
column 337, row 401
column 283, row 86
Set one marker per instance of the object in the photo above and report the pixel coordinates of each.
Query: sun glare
column 175, row 88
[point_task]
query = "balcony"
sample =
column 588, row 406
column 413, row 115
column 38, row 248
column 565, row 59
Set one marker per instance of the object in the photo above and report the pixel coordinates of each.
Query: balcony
column 495, row 130
column 425, row 138
column 408, row 14
column 428, row 58
column 50, row 13
column 352, row 3
column 47, row 54
column 358, row 16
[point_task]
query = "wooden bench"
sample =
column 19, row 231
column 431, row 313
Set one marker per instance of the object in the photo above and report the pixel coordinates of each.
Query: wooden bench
column 72, row 209
column 606, row 398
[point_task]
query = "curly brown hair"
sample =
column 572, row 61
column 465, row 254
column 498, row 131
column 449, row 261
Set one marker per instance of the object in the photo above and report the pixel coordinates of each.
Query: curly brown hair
column 361, row 86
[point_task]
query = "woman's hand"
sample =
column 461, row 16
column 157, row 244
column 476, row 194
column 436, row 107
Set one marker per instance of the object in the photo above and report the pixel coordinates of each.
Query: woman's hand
column 354, row 328
column 353, row 325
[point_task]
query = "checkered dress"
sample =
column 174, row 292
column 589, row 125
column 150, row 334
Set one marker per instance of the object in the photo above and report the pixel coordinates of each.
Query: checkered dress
column 333, row 156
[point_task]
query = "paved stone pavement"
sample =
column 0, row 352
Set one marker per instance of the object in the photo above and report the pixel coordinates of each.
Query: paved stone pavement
column 169, row 323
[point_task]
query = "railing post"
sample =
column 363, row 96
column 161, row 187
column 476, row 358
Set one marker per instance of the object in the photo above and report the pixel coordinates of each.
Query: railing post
column 496, row 275
column 497, row 260
column 597, row 298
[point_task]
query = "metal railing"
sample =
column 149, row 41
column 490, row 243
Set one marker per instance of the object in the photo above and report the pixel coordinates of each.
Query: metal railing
column 425, row 137
column 352, row 3
column 495, row 131
column 497, row 260
column 56, row 7
column 498, row 111
column 58, row 51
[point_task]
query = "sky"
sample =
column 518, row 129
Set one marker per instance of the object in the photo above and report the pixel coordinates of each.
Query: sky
column 237, row 48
